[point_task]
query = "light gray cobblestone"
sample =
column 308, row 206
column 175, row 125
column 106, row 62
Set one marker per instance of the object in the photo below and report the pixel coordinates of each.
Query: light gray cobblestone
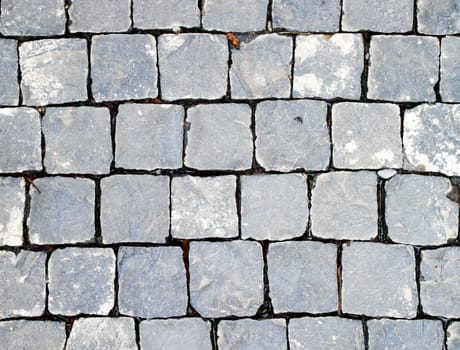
column 453, row 336
column 438, row 17
column 450, row 69
column 12, row 202
column 9, row 85
column 32, row 335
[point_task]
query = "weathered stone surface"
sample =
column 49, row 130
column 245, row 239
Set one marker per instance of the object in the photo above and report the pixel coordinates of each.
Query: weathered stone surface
column 152, row 282
column 274, row 207
column 226, row 278
column 9, row 85
column 344, row 205
column 450, row 69
column 123, row 67
column 379, row 280
column 77, row 140
column 438, row 17
column 32, row 335
column 20, row 140
column 292, row 135
column 204, row 207
column 23, row 284
column 453, row 336
column 326, row 333
column 181, row 77
column 135, row 208
column 247, row 334
column 403, row 68
column 417, row 210
column 219, row 137
column 172, row 334
column 12, row 200
column 431, row 141
column 62, row 212
column 149, row 136
column 366, row 136
column 328, row 66
column 303, row 277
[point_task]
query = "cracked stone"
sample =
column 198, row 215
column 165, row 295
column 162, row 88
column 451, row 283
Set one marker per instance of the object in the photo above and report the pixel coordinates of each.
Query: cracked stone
column 9, row 86
column 438, row 17
column 450, row 69
column 12, row 201
column 24, row 334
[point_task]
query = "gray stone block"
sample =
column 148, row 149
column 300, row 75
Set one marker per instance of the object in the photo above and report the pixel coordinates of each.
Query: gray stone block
column 226, row 278
column 328, row 66
column 12, row 200
column 32, row 335
column 292, row 135
column 152, row 282
column 450, row 69
column 379, row 280
column 453, row 336
column 274, row 207
column 9, row 85
column 438, row 17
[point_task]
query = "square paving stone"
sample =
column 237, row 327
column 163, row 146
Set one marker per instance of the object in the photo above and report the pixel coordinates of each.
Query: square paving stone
column 204, row 207
column 152, row 282
column 438, row 17
column 453, row 336
column 219, row 137
column 262, row 67
column 366, row 136
column 403, row 68
column 32, row 335
column 344, row 205
column 274, row 207
column 23, row 284
column 379, row 280
column 149, row 136
column 417, row 210
column 328, row 66
column 62, row 212
column 78, row 140
column 135, row 208
column 12, row 201
column 226, row 278
column 9, row 85
column 292, row 135
column 303, row 277
column 124, row 67
column 450, row 69
column 180, row 75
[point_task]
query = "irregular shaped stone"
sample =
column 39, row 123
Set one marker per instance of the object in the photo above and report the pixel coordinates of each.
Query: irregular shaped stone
column 135, row 208
column 274, row 207
column 366, row 135
column 403, row 68
column 149, row 136
column 9, row 85
column 328, row 66
column 226, row 278
column 344, row 205
column 386, row 173
column 78, row 140
column 453, row 336
column 292, row 135
column 203, row 207
column 181, row 77
column 303, row 277
column 12, row 200
column 262, row 67
column 219, row 137
column 23, row 284
column 438, row 17
column 152, row 282
column 62, row 212
column 379, row 280
column 124, row 67
column 417, row 210
column 32, row 335
column 450, row 69
column 431, row 141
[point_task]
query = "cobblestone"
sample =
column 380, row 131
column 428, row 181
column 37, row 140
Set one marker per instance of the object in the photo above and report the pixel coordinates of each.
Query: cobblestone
column 9, row 86
column 450, row 69
column 438, row 17
column 23, row 334
column 12, row 201
column 453, row 336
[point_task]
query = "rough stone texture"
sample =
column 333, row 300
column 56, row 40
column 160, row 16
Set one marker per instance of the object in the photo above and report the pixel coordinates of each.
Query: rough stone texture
column 135, row 208
column 226, row 278
column 172, row 334
column 326, row 333
column 366, row 136
column 274, row 207
column 247, row 334
column 450, row 69
column 78, row 140
column 379, row 280
column 12, row 200
column 152, row 282
column 328, row 66
column 149, row 136
column 250, row 78
column 438, row 17
column 292, row 135
column 417, row 210
column 23, row 284
column 20, row 140
column 344, row 205
column 431, row 141
column 181, row 77
column 303, row 277
column 62, row 212
column 203, row 207
column 123, row 67
column 219, row 137
column 32, row 335
column 9, row 86
column 453, row 336
column 403, row 68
